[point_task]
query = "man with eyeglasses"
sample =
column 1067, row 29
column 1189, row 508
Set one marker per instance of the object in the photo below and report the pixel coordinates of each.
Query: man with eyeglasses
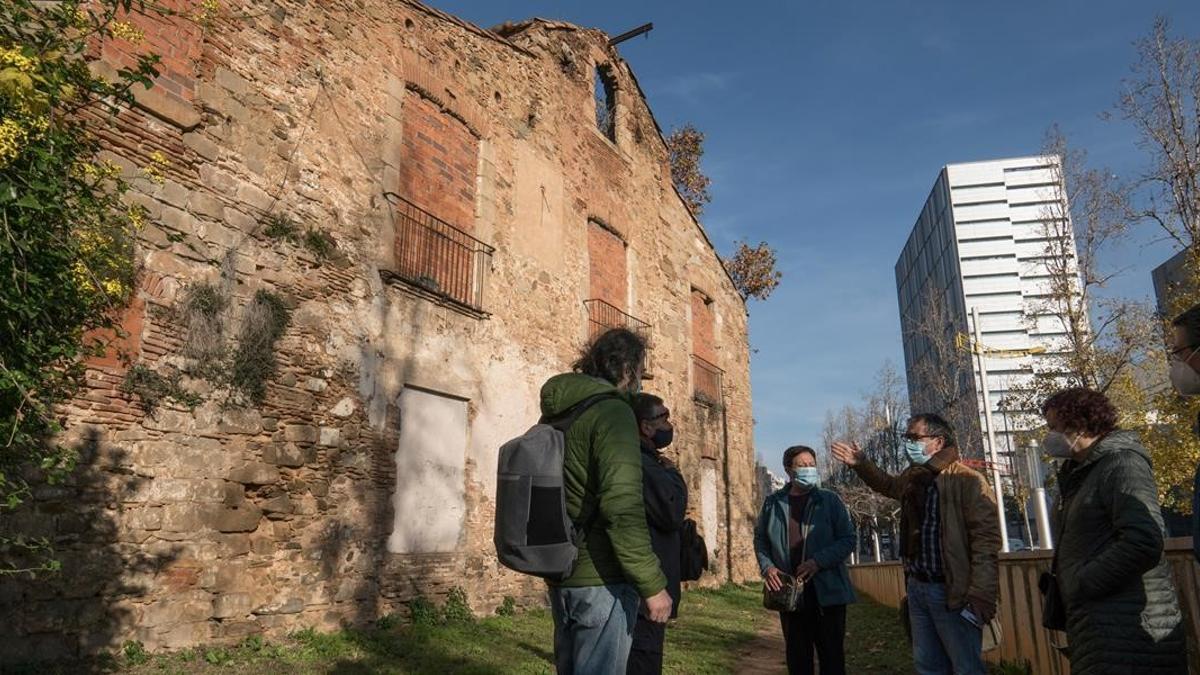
column 1185, row 377
column 949, row 542
column 666, row 495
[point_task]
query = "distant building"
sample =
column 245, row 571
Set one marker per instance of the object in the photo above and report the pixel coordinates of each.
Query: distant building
column 1167, row 277
column 766, row 482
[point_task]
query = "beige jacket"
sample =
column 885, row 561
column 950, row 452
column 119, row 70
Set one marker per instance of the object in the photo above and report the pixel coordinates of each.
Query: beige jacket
column 970, row 526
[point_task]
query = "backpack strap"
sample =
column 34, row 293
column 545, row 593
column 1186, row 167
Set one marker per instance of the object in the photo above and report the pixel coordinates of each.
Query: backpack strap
column 563, row 422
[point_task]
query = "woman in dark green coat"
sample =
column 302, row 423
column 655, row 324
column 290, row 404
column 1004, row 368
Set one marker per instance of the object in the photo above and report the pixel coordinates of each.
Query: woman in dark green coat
column 1122, row 610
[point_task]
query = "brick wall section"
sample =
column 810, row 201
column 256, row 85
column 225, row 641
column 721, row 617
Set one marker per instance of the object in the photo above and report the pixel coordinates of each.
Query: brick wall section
column 177, row 41
column 439, row 162
column 125, row 341
column 607, row 265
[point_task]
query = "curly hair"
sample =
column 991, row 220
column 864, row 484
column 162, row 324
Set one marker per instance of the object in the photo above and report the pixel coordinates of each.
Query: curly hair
column 614, row 356
column 1082, row 411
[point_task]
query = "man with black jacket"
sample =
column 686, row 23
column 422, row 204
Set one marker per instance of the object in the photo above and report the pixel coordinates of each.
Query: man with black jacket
column 665, row 493
column 1185, row 376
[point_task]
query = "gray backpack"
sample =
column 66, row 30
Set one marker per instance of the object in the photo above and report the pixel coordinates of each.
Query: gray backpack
column 534, row 534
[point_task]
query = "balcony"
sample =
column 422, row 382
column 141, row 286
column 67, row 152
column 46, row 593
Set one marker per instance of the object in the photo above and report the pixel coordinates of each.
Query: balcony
column 603, row 316
column 436, row 260
column 706, row 382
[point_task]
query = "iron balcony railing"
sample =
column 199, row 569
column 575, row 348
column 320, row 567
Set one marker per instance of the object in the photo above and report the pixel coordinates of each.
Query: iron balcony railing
column 438, row 258
column 706, row 381
column 603, row 316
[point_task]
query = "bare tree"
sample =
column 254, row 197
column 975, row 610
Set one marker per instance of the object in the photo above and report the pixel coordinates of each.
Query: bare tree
column 1084, row 215
column 941, row 375
column 874, row 426
column 1162, row 99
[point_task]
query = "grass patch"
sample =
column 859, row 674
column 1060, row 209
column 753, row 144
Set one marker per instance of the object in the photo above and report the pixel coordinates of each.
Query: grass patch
column 875, row 640
column 715, row 629
column 712, row 625
column 705, row 639
column 320, row 244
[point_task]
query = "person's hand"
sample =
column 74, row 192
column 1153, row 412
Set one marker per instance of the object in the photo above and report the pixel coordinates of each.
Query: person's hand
column 772, row 580
column 807, row 570
column 983, row 609
column 658, row 607
column 847, row 453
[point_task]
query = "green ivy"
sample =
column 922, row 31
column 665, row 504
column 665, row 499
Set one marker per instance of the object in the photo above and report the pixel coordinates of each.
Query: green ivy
column 66, row 232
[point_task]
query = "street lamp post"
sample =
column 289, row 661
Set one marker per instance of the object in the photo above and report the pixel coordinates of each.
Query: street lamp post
column 1040, row 509
column 991, row 434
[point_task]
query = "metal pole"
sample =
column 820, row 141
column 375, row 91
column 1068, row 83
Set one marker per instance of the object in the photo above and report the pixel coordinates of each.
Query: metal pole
column 875, row 538
column 1040, row 508
column 991, row 434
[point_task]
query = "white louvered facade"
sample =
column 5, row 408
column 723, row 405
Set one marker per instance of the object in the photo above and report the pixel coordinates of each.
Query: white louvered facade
column 980, row 241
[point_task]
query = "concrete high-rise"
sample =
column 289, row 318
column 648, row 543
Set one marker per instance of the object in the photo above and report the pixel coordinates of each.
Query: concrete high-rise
column 980, row 244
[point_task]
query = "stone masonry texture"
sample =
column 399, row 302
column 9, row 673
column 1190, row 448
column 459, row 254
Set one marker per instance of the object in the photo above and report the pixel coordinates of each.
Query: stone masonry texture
column 208, row 524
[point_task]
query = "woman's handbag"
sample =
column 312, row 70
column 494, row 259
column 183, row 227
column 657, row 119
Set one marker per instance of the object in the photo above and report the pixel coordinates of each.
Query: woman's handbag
column 1054, row 610
column 789, row 598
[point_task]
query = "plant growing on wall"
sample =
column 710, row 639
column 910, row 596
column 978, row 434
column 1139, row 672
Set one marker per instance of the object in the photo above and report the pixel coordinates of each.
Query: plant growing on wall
column 66, row 232
column 686, row 147
column 254, row 359
column 753, row 270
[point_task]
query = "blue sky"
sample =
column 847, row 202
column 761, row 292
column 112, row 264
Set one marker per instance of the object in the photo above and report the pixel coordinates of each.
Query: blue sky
column 827, row 123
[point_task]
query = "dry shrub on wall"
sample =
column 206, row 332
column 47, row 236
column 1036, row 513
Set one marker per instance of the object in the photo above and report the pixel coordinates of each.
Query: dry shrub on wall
column 203, row 317
column 254, row 361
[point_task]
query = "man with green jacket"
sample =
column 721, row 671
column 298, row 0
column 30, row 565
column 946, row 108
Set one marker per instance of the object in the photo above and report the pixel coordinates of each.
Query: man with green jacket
column 596, row 607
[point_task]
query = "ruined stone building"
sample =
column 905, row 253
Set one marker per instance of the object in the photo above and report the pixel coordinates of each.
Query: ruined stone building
column 481, row 202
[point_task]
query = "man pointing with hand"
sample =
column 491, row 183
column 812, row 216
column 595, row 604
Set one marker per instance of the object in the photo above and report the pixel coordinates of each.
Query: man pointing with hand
column 949, row 542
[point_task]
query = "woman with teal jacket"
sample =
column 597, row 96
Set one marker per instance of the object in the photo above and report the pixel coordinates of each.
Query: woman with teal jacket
column 805, row 531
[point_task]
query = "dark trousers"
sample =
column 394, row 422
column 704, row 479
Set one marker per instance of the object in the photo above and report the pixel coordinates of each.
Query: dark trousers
column 815, row 626
column 646, row 656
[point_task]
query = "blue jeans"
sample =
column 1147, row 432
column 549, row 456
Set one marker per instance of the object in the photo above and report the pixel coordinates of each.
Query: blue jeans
column 593, row 628
column 944, row 643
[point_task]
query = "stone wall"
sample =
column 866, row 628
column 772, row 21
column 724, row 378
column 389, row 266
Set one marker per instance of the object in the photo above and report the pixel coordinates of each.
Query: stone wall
column 224, row 520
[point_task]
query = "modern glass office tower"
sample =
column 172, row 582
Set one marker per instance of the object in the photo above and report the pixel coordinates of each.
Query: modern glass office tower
column 980, row 245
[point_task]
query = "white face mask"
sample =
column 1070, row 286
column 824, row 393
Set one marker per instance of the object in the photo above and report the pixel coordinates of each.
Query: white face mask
column 806, row 476
column 1185, row 379
column 1057, row 444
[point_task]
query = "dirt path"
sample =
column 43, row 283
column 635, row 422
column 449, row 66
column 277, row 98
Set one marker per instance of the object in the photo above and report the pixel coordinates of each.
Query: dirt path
column 763, row 656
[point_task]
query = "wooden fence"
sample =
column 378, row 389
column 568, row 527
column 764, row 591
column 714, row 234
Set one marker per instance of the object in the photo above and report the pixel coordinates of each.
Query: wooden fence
column 1021, row 603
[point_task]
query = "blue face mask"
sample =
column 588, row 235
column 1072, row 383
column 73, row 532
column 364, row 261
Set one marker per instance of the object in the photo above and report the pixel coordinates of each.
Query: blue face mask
column 806, row 476
column 915, row 451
